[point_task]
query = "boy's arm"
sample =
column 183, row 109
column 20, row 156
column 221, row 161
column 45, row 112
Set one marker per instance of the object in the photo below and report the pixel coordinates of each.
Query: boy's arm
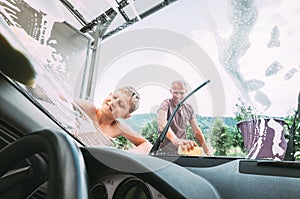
column 87, row 106
column 141, row 143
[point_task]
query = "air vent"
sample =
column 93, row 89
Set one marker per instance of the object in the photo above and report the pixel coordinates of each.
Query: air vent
column 7, row 134
column 40, row 193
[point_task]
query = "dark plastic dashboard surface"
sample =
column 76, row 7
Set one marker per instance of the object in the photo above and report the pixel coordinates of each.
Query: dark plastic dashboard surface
column 171, row 180
column 250, row 179
column 270, row 168
column 170, row 177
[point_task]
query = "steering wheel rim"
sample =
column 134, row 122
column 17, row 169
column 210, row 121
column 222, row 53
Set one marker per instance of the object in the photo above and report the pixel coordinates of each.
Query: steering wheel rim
column 67, row 172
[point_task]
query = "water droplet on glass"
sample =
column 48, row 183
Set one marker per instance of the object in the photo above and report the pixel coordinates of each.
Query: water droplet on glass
column 273, row 69
column 263, row 99
column 290, row 74
column 254, row 84
column 274, row 39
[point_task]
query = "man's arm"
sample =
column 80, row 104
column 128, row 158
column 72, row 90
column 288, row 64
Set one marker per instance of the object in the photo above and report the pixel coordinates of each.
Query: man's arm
column 162, row 122
column 199, row 135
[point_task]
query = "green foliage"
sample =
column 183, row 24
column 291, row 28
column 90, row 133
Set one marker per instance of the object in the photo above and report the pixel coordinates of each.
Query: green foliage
column 122, row 143
column 290, row 120
column 227, row 140
column 220, row 138
column 244, row 111
column 222, row 133
column 189, row 133
column 235, row 138
column 150, row 131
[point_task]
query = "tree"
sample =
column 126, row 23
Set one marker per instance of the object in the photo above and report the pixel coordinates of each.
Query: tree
column 190, row 134
column 290, row 120
column 246, row 112
column 219, row 137
column 122, row 143
column 150, row 131
column 235, row 138
column 243, row 112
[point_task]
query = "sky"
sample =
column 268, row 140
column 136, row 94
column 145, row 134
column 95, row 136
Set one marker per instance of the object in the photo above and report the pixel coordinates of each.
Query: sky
column 247, row 49
column 257, row 60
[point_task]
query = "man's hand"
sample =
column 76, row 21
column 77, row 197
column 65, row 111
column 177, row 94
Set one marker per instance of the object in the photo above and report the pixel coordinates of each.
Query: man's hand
column 184, row 144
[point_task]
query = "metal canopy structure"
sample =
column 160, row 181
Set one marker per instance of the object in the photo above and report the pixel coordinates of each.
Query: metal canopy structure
column 115, row 15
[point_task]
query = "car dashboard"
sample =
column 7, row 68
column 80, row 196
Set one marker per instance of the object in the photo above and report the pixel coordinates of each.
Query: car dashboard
column 114, row 173
column 41, row 154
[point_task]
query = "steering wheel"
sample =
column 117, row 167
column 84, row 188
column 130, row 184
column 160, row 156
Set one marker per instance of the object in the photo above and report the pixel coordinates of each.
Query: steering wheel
column 67, row 172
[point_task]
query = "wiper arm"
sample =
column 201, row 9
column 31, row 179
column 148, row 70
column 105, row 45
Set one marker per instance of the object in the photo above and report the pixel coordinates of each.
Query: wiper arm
column 163, row 134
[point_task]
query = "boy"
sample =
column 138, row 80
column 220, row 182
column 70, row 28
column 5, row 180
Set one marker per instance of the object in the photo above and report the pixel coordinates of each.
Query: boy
column 119, row 104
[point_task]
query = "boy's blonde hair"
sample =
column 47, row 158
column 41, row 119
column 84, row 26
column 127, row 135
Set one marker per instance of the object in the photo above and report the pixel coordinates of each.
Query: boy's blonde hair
column 134, row 97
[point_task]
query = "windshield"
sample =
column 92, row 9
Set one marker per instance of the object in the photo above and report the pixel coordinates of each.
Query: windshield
column 247, row 49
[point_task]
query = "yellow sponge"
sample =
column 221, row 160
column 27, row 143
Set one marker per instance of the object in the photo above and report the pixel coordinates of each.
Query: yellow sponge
column 198, row 151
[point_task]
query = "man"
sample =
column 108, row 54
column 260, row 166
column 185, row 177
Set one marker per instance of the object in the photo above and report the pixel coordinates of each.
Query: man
column 176, row 135
column 119, row 104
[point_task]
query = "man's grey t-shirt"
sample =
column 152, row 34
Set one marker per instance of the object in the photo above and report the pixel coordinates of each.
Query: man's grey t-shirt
column 178, row 124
